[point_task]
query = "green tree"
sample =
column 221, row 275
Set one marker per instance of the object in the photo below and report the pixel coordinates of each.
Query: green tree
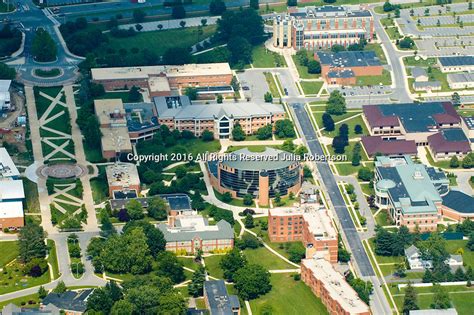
column 248, row 221
column 219, row 99
column 296, row 252
column 123, row 307
column 284, row 128
column 384, row 242
column 440, row 298
column 60, row 288
column 467, row 161
column 410, row 301
column 292, row 3
column 100, row 301
column 406, row 43
column 254, row 4
column 196, row 286
column 314, row 67
column 238, row 133
column 226, row 197
column 338, row 144
column 240, row 51
column 6, row 73
column 470, row 243
column 387, row 7
column 277, row 198
column 231, row 262
column 456, row 99
column 252, row 281
column 138, row 252
column 337, row 48
column 135, row 209
column 363, row 288
column 268, row 97
column 170, row 266
column 365, row 174
column 177, row 56
column 31, row 242
column 42, row 293
column 358, row 129
column 157, row 208
column 454, row 162
column 217, row 7
column 248, row 200
column 43, row 47
column 328, row 122
column 207, row 135
column 356, row 154
column 336, row 104
column 178, row 12
column 139, row 15
column 265, row 132
column 154, row 237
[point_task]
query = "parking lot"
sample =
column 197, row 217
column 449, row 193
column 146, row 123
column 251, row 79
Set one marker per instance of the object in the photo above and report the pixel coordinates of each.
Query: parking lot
column 362, row 90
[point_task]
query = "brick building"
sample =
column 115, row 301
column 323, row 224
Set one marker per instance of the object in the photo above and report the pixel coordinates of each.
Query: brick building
column 316, row 28
column 308, row 224
column 123, row 180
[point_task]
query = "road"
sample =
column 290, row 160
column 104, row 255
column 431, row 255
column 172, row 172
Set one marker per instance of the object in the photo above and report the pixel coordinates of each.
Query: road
column 347, row 228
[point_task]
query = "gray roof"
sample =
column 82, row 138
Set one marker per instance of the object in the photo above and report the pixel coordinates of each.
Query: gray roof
column 456, row 61
column 449, row 311
column 69, row 300
column 418, row 72
column 270, row 159
column 224, row 231
column 427, row 85
column 220, row 302
column 5, row 85
column 182, row 109
column 346, row 73
column 460, row 77
column 349, row 58
column 459, row 201
column 12, row 309
column 410, row 251
column 457, row 258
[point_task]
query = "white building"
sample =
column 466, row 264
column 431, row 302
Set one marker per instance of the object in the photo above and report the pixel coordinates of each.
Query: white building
column 5, row 94
column 414, row 259
column 456, row 63
column 461, row 80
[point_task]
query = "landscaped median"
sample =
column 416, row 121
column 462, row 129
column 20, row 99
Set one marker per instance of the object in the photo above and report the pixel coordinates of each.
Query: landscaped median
column 74, row 249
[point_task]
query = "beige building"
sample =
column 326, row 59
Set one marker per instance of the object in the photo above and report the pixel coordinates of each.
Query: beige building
column 123, row 179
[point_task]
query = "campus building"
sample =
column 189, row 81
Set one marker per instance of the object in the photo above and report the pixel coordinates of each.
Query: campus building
column 319, row 28
column 178, row 113
column 5, row 104
column 467, row 125
column 310, row 224
column 123, row 180
column 123, row 124
column 69, row 302
column 463, row 80
column 217, row 299
column 343, row 68
column 456, row 63
column 190, row 233
column 162, row 80
column 12, row 193
column 436, row 125
column 331, row 287
column 411, row 193
column 260, row 174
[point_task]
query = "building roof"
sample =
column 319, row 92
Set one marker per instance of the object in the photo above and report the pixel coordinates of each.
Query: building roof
column 415, row 117
column 12, row 309
column 449, row 311
column 457, row 258
column 5, row 86
column 159, row 84
column 346, row 73
column 11, row 190
column 115, row 138
column 433, row 85
column 417, row 187
column 7, row 167
column 327, row 11
column 411, row 250
column 122, row 174
column 110, row 111
column 459, row 201
column 463, row 77
column 220, row 302
column 449, row 140
column 12, row 209
column 469, row 121
column 375, row 144
column 336, row 286
column 127, row 73
column 418, row 72
column 69, row 300
column 349, row 59
column 270, row 159
column 188, row 227
column 453, row 61
column 178, row 202
column 180, row 108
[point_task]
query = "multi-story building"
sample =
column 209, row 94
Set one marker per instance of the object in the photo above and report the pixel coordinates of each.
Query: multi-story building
column 5, row 103
column 218, row 300
column 161, row 80
column 123, row 180
column 310, row 224
column 260, row 174
column 331, row 287
column 178, row 113
column 425, row 124
column 190, row 233
column 316, row 28
column 411, row 193
column 12, row 193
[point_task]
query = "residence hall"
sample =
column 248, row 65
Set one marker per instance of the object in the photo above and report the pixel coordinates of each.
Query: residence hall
column 163, row 80
column 310, row 224
column 319, row 28
column 178, row 113
column 343, row 68
column 260, row 174
column 12, row 193
column 435, row 125
column 218, row 301
column 410, row 192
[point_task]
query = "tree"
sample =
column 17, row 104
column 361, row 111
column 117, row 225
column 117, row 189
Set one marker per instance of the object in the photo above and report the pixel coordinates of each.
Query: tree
column 134, row 94
column 440, row 298
column 238, row 133
column 170, row 266
column 154, row 237
column 328, row 122
column 182, row 24
column 135, row 210
column 296, row 252
column 314, row 67
column 265, row 132
column 467, row 162
column 470, row 243
column 248, row 222
column 251, row 281
column 203, row 22
column 248, row 200
column 254, row 4
column 343, row 255
column 240, row 51
column 177, row 56
column 207, row 135
column 217, row 7
column 231, row 262
column 365, row 174
column 336, row 104
column 456, row 99
column 246, row 23
column 43, row 47
column 6, row 73
column 160, row 26
column 196, row 286
column 387, row 7
column 383, row 242
column 178, row 12
column 268, row 97
column 397, row 13
column 31, row 242
column 60, row 288
column 157, row 208
column 42, row 293
column 337, row 48
column 137, row 251
column 277, row 198
column 356, row 155
column 406, row 43
column 292, row 3
column 248, row 241
column 338, row 144
column 123, row 307
column 358, row 129
column 400, row 269
column 219, row 99
column 100, row 301
column 363, row 288
column 284, row 129
column 411, row 299
column 139, row 15
column 454, row 162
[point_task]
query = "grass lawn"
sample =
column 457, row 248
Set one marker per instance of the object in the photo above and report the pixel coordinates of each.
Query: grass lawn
column 468, row 256
column 289, row 297
column 160, row 41
column 234, row 201
column 251, row 148
column 366, row 189
column 384, row 79
column 93, row 155
column 31, row 196
column 378, row 51
column 27, row 301
column 43, row 103
column 411, row 61
column 383, row 218
column 212, row 266
column 267, row 259
column 345, row 169
column 311, row 87
column 318, row 115
column 9, row 252
column 385, row 259
column 440, row 164
column 263, row 58
column 271, row 85
column 351, row 123
column 99, row 186
column 347, row 152
column 53, row 258
column 188, row 262
column 47, row 149
column 124, row 95
column 302, row 70
column 14, row 279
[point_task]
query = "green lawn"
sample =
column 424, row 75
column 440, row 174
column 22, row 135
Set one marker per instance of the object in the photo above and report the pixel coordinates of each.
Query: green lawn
column 251, row 148
column 212, row 266
column 263, row 58
column 384, row 79
column 289, row 297
column 345, row 169
column 100, row 188
column 124, row 95
column 267, row 259
column 366, row 189
column 410, row 61
column 347, row 152
column 53, row 258
column 160, row 41
column 27, row 301
column 234, row 201
column 383, row 218
column 31, row 196
column 378, row 51
column 311, row 87
column 271, row 85
column 13, row 279
column 351, row 123
column 93, row 155
column 385, row 259
column 468, row 255
column 302, row 70
column 9, row 252
column 318, row 115
column 440, row 164
column 43, row 103
column 189, row 263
